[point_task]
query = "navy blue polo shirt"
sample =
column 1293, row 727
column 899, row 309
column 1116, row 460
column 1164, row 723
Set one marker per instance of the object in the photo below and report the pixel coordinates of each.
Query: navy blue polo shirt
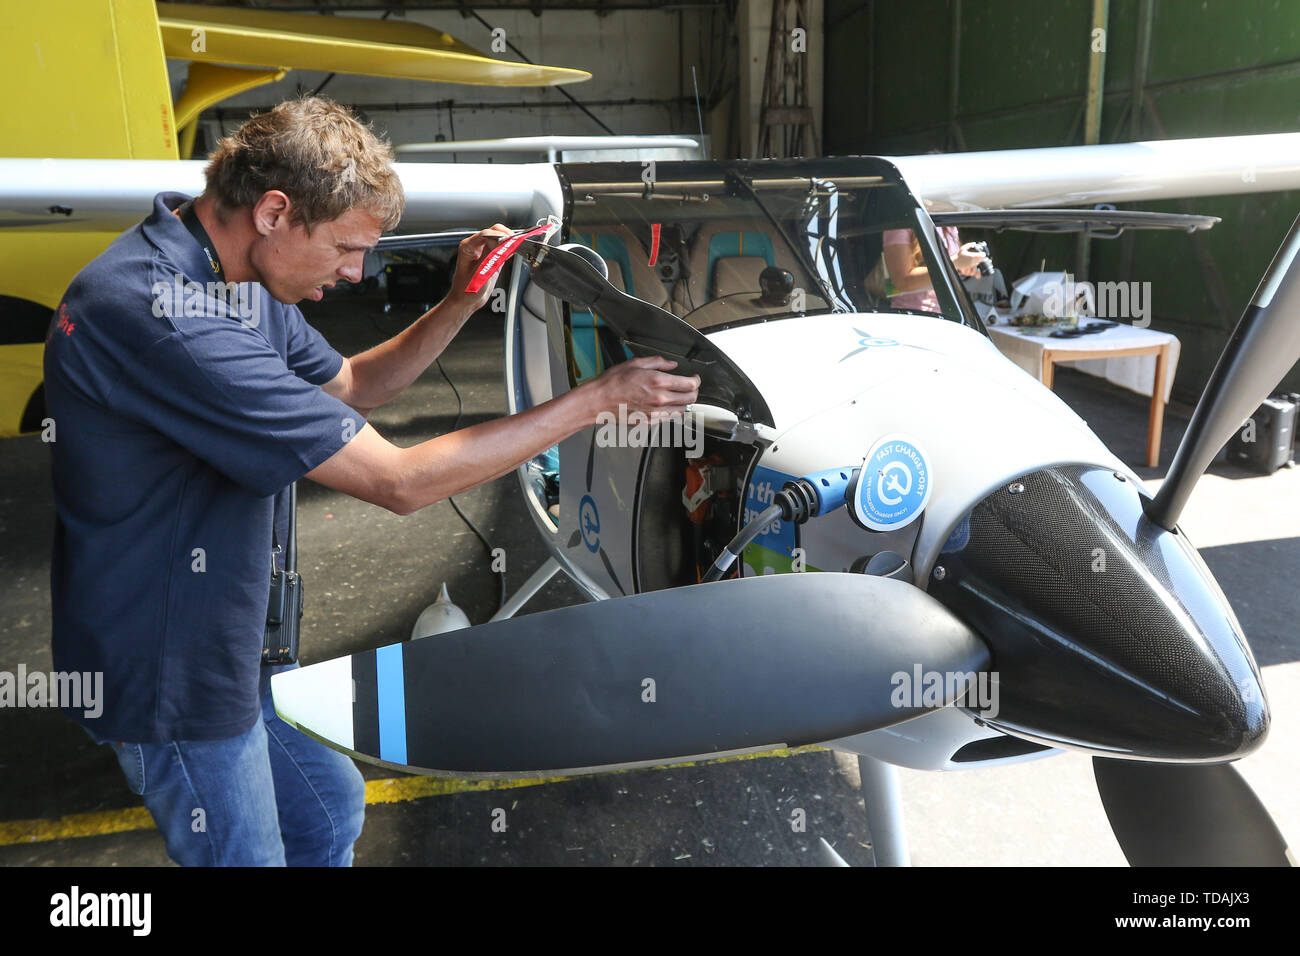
column 181, row 412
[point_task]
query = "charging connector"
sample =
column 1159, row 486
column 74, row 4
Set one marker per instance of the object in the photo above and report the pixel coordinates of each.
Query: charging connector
column 808, row 497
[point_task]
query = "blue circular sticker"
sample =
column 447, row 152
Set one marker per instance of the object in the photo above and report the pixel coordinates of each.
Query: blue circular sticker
column 894, row 486
column 589, row 523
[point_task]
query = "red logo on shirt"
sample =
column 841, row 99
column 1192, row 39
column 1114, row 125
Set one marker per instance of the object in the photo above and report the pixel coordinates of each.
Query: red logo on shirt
column 65, row 323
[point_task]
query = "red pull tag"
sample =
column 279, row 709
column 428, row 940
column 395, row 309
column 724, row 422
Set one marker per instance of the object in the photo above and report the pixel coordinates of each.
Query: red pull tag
column 654, row 243
column 495, row 259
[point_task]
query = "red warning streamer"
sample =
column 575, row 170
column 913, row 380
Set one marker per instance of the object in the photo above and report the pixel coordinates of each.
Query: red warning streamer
column 495, row 259
column 654, row 243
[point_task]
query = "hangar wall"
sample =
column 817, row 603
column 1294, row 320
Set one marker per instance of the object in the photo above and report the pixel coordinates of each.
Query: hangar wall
column 995, row 74
column 640, row 61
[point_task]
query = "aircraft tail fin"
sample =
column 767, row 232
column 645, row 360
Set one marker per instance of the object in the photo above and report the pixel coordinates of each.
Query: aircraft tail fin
column 90, row 80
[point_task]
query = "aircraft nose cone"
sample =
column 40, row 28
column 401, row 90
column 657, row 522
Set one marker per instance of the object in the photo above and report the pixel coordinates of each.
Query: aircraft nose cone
column 1108, row 632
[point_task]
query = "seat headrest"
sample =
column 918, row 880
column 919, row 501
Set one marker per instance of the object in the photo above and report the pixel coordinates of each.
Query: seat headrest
column 732, row 274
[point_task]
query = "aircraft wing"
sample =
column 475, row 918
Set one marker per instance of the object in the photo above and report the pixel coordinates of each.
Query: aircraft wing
column 110, row 195
column 407, row 51
column 1116, row 172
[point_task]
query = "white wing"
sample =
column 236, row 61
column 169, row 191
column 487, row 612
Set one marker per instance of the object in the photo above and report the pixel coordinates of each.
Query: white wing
column 114, row 194
column 1118, row 172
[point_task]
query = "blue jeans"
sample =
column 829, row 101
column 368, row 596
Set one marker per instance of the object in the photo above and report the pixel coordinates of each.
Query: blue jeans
column 270, row 797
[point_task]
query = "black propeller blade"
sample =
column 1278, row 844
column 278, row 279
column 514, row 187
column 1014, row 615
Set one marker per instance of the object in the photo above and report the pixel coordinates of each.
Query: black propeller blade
column 747, row 664
column 1187, row 815
column 1264, row 346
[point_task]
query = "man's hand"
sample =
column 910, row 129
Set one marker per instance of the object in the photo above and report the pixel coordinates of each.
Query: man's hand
column 644, row 385
column 468, row 258
column 371, row 378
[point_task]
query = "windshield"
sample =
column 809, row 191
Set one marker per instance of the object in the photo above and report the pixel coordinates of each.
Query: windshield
column 721, row 244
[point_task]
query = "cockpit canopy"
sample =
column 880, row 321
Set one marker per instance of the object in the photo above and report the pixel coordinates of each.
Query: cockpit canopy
column 724, row 243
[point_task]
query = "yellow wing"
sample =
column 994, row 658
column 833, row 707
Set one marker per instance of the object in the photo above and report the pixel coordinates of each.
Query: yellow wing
column 408, row 51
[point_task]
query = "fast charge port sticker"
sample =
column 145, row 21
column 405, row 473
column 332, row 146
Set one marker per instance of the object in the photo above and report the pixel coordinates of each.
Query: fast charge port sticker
column 894, row 485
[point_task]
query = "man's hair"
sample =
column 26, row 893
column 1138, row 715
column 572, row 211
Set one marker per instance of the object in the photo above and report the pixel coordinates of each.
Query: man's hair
column 314, row 151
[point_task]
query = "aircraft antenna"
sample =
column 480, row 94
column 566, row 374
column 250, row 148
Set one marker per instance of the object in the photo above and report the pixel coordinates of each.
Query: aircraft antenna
column 699, row 116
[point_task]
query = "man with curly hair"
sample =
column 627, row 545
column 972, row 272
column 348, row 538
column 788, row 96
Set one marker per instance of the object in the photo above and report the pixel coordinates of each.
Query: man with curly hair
column 189, row 393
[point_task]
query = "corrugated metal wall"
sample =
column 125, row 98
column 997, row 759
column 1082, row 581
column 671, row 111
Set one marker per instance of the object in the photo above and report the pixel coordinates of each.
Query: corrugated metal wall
column 905, row 77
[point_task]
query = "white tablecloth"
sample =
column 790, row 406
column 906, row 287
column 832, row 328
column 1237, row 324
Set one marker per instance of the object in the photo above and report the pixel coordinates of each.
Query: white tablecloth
column 1024, row 346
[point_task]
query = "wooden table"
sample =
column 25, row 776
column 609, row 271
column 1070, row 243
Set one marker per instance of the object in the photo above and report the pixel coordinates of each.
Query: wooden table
column 1039, row 353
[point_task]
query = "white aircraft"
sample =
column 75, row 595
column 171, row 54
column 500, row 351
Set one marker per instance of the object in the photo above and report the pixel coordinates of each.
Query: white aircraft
column 973, row 498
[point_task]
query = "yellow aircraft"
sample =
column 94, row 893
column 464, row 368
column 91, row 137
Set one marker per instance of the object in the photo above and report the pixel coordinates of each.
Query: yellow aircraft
column 88, row 79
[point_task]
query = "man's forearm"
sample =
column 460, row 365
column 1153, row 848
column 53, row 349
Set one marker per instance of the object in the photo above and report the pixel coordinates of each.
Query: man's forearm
column 404, row 480
column 381, row 373
column 452, row 463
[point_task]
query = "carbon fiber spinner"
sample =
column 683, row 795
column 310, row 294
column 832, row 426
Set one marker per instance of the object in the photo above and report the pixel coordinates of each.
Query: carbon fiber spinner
column 1108, row 632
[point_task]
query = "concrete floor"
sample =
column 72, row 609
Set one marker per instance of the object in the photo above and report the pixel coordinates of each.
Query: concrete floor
column 368, row 574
